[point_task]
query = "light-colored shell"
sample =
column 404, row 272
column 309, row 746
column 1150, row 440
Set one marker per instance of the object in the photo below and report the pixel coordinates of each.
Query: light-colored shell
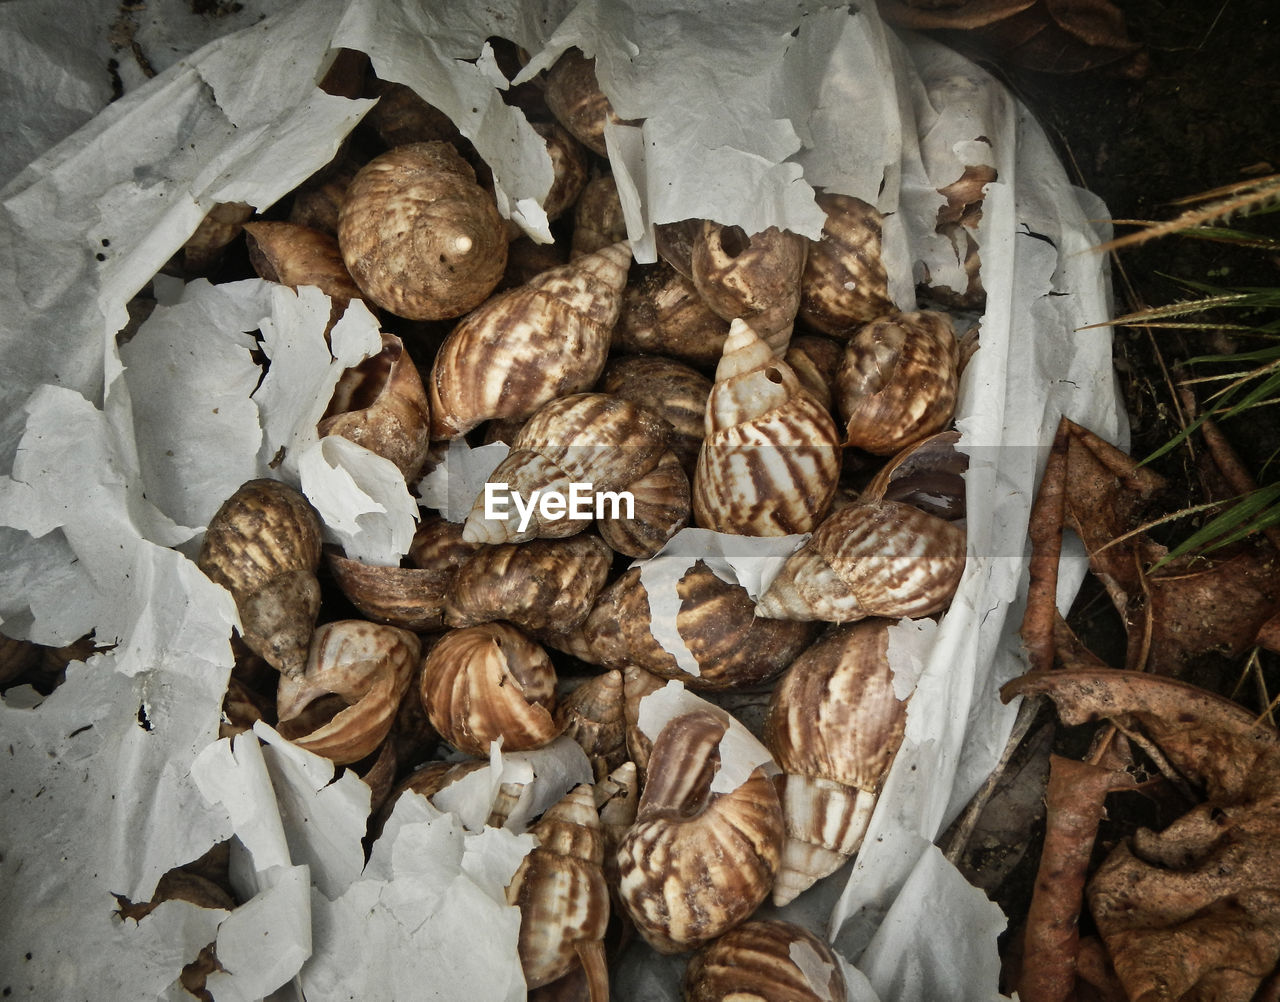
column 755, row 278
column 661, row 507
column 844, row 283
column 561, row 892
column 815, row 361
column 595, row 717
column 295, row 255
column 263, row 546
column 928, row 475
column 732, row 646
column 663, row 313
column 419, row 236
column 697, row 861
column 381, row 404
column 586, row 438
column 597, row 217
column 672, row 390
column 367, row 668
column 617, row 799
column 524, row 347
column 881, row 559
column 483, row 682
column 575, row 98
column 771, row 457
column 897, row 381
column 834, row 726
column 765, row 960
column 544, row 584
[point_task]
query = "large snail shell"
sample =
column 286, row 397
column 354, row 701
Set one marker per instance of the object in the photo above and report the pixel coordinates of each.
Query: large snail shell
column 771, row 457
column 382, row 405
column 765, row 960
column 526, row 346
column 697, row 861
column 367, row 668
column 296, row 255
column 489, row 681
column 586, row 438
column 662, row 507
column 575, row 98
column 662, row 312
column 594, row 716
column 898, row 380
column 419, row 235
column 561, row 892
column 263, row 546
column 755, row 278
column 544, row 584
column 733, row 647
column 672, row 390
column 844, row 283
column 881, row 559
column 834, row 725
column 597, row 217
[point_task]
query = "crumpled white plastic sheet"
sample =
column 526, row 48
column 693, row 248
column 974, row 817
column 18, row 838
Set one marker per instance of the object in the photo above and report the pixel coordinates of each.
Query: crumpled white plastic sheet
column 115, row 459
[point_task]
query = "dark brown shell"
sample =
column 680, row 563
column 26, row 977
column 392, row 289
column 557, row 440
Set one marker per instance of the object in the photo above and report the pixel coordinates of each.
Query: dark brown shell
column 317, row 202
column 419, row 236
column 263, row 545
column 672, row 390
column 661, row 507
column 575, row 98
column 597, row 217
column 594, row 716
column 295, row 255
column 898, row 380
column 815, row 361
column 732, row 646
column 756, row 962
column 844, row 283
column 928, row 475
column 401, row 116
column 407, row 597
column 221, row 225
column 663, row 313
column 569, row 162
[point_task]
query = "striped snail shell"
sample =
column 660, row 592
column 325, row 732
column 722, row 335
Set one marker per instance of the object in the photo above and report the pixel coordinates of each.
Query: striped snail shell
column 597, row 217
column 595, row 718
column 762, row 961
column 574, row 96
column 663, row 313
column 844, row 283
column 662, row 508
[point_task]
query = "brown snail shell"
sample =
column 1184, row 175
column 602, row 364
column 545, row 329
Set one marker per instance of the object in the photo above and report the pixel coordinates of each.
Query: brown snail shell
column 672, row 390
column 575, row 98
column 597, row 217
column 636, row 685
column 881, row 559
column 569, row 164
column 561, row 892
column 771, row 457
column 295, row 255
column 544, row 584
column 317, row 202
column 586, row 438
column 524, row 347
column 757, row 962
column 815, row 361
column 754, row 278
column 663, row 313
column 595, row 717
column 17, row 657
column 221, row 225
column 662, row 507
column 617, row 798
column 526, row 260
column 483, row 682
column 698, row 861
column 928, row 475
column 898, row 381
column 402, row 116
column 360, row 669
column 732, row 646
column 420, row 237
column 263, row 546
column 844, row 283
column 834, row 726
column 381, row 404
column 674, row 243
column 438, row 545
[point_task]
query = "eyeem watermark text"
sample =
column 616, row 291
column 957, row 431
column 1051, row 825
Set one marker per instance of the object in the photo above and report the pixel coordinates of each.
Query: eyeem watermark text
column 582, row 502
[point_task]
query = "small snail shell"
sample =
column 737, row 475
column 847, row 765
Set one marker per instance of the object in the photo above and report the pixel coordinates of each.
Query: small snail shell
column 575, row 98
column 698, row 861
column 569, row 163
column 771, row 457
column 672, row 390
column 367, row 668
column 636, row 684
column 663, row 313
column 755, row 278
column 586, row 438
column 382, row 405
column 438, row 545
column 594, row 716
column 844, row 283
column 834, row 725
column 762, row 961
column 484, row 682
column 419, row 236
column 544, row 584
column 597, row 217
column 561, row 892
column 881, row 559
column 733, row 647
column 263, row 546
column 526, row 346
column 662, row 508
column 296, row 255
column 897, row 381
column 815, row 361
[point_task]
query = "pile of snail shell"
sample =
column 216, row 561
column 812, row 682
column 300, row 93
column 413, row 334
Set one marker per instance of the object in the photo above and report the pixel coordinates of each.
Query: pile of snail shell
column 755, row 384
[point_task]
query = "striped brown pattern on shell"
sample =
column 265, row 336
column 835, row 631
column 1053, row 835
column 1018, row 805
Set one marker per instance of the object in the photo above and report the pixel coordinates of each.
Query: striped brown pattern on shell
column 594, row 716
column 529, row 345
column 543, row 584
column 844, row 283
column 419, row 236
column 438, row 544
column 898, row 380
column 408, row 597
column 402, row 116
column 662, row 506
column 381, row 404
column 717, row 621
column 482, row 682
column 662, row 312
column 264, row 529
column 575, row 98
column 881, row 559
column 815, row 360
column 560, row 888
column 826, row 822
column 697, row 862
column 597, row 217
column 672, row 390
column 755, row 963
column 368, row 667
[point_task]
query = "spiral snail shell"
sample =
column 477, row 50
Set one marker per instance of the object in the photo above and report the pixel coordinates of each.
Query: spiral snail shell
column 765, row 960
column 844, row 283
